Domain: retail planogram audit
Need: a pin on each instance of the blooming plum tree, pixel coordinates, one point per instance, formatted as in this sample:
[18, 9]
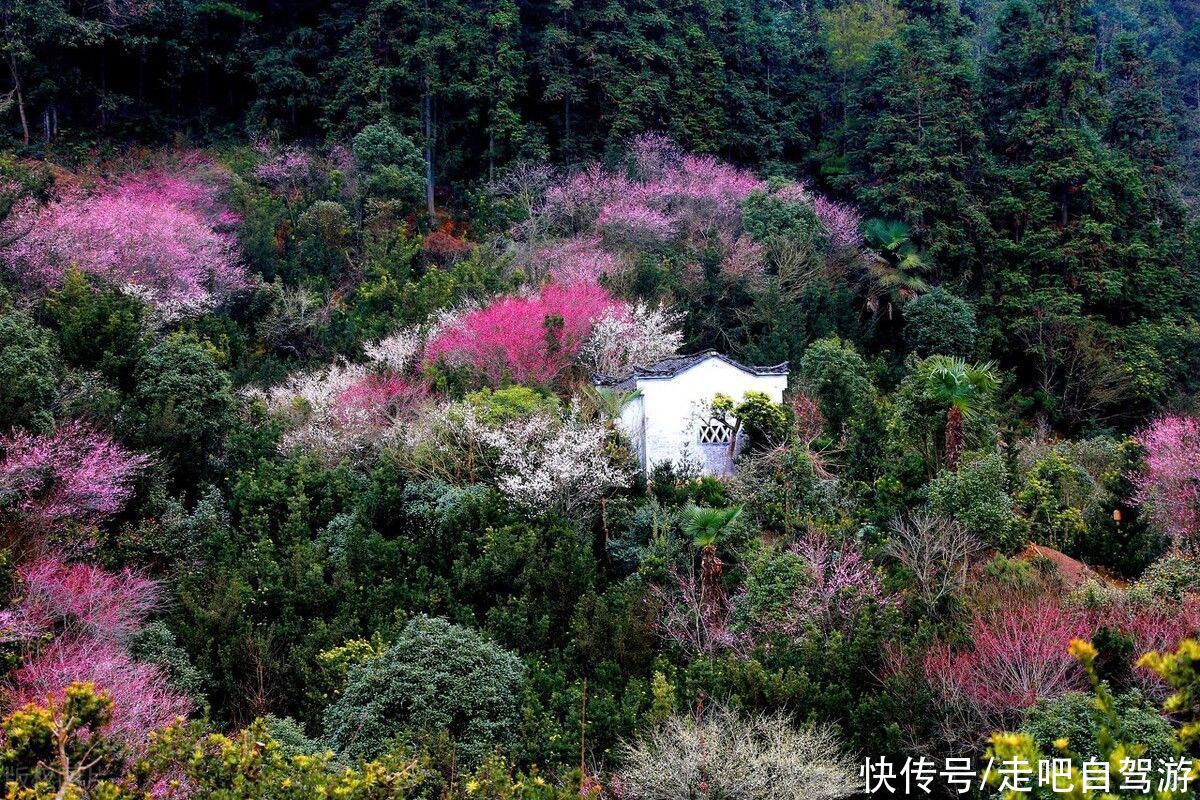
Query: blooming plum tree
[78, 601]
[75, 474]
[155, 234]
[1169, 487]
[529, 339]
[555, 463]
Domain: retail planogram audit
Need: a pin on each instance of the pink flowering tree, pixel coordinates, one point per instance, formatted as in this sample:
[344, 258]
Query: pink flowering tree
[89, 615]
[345, 410]
[1154, 627]
[1017, 656]
[581, 259]
[665, 197]
[839, 584]
[143, 700]
[528, 339]
[74, 475]
[79, 601]
[157, 235]
[698, 622]
[1169, 487]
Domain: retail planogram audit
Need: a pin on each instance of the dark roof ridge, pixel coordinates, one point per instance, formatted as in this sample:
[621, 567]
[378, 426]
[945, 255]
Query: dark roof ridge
[670, 367]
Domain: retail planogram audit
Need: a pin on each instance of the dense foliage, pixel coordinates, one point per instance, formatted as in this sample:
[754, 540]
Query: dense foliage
[307, 490]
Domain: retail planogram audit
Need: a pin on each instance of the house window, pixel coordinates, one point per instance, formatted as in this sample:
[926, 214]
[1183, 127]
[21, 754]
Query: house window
[714, 432]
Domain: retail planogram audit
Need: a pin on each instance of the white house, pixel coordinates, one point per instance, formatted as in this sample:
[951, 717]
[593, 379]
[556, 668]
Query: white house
[665, 418]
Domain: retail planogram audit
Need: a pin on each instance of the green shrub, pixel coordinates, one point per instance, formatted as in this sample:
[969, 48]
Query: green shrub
[29, 372]
[434, 677]
[939, 323]
[838, 379]
[976, 495]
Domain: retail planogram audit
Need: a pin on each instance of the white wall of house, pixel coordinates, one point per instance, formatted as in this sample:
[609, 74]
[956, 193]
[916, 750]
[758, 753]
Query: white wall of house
[665, 420]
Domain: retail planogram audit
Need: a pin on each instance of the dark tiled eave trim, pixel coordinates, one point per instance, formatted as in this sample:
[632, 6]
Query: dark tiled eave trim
[669, 368]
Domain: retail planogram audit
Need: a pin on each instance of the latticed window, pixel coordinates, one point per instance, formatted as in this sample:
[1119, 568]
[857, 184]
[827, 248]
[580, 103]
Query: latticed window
[715, 432]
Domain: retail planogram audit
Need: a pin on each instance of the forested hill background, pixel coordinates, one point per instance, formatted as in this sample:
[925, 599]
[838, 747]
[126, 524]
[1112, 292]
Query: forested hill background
[1042, 153]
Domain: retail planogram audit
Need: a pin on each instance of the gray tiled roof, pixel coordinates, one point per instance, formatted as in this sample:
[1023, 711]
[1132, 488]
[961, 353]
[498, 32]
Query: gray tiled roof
[670, 367]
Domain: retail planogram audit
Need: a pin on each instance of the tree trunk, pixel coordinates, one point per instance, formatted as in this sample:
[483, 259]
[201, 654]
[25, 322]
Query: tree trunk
[427, 114]
[12, 67]
[954, 437]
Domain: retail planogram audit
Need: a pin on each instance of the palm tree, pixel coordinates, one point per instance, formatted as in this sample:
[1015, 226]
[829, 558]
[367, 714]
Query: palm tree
[606, 404]
[963, 388]
[895, 269]
[707, 526]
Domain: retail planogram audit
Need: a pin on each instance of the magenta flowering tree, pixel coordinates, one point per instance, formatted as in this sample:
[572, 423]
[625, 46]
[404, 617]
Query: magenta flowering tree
[90, 615]
[155, 234]
[78, 601]
[529, 339]
[75, 474]
[143, 700]
[1169, 487]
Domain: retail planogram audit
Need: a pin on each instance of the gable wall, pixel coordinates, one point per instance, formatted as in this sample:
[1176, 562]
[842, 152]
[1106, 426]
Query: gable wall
[669, 407]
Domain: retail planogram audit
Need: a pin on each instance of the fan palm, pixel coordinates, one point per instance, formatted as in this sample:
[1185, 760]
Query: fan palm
[963, 389]
[895, 269]
[707, 526]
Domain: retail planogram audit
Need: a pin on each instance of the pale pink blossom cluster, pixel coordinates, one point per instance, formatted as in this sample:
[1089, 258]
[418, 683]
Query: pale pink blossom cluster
[842, 585]
[287, 168]
[529, 339]
[628, 224]
[580, 259]
[668, 198]
[695, 619]
[671, 194]
[842, 222]
[1169, 487]
[91, 615]
[344, 410]
[155, 233]
[75, 474]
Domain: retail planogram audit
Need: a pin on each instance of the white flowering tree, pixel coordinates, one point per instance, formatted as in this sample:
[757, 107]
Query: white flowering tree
[562, 463]
[633, 337]
[720, 753]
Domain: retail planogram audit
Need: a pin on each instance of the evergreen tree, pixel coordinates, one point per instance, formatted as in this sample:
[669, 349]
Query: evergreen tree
[920, 152]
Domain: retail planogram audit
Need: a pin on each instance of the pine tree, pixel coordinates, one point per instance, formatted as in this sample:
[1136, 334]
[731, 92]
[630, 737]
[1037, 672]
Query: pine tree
[920, 152]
